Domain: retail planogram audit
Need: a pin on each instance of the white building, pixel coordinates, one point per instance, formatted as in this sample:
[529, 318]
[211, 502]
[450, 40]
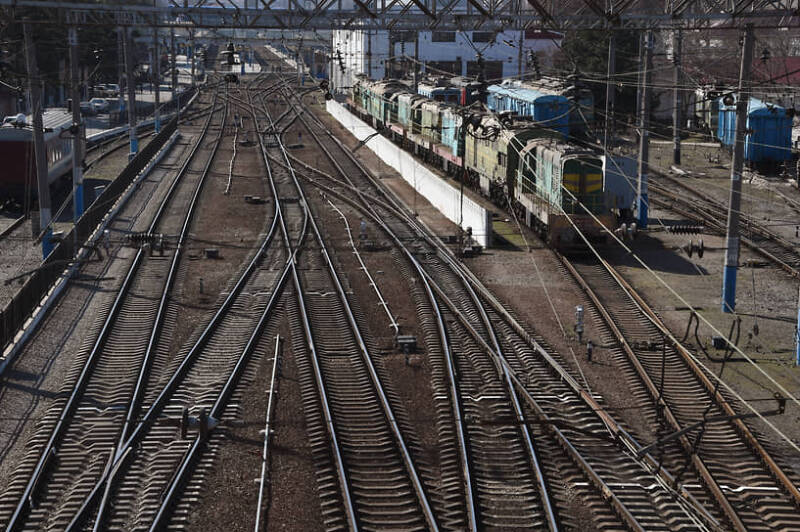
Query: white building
[363, 52]
[357, 52]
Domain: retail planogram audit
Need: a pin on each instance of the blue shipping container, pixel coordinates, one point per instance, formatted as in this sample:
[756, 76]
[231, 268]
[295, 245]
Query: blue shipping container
[771, 131]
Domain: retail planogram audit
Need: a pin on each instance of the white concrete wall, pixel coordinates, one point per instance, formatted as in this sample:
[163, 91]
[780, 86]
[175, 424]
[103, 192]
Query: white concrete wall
[442, 195]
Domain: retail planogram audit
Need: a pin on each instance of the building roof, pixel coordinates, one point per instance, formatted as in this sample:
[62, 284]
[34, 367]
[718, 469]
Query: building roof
[779, 70]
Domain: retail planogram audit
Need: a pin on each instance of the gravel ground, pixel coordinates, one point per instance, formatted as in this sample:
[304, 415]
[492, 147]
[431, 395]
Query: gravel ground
[293, 497]
[230, 492]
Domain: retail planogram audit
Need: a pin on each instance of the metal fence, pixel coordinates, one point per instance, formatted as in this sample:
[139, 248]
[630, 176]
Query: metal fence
[27, 299]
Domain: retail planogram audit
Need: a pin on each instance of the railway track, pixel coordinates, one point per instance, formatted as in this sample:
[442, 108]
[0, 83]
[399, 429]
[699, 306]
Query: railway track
[506, 491]
[12, 227]
[751, 489]
[706, 210]
[521, 443]
[379, 486]
[78, 436]
[200, 383]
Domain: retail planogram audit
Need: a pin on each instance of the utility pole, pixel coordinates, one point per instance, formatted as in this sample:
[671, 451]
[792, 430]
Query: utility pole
[732, 238]
[416, 61]
[369, 54]
[639, 76]
[191, 51]
[520, 66]
[611, 92]
[155, 68]
[175, 101]
[797, 334]
[134, 141]
[677, 100]
[34, 85]
[77, 136]
[644, 133]
[120, 68]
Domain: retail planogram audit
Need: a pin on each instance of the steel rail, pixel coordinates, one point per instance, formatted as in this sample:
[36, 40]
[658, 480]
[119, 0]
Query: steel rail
[700, 215]
[77, 391]
[366, 357]
[344, 487]
[12, 227]
[382, 302]
[267, 432]
[648, 463]
[453, 392]
[427, 511]
[457, 267]
[653, 391]
[150, 416]
[497, 354]
[190, 457]
[723, 403]
[173, 488]
[144, 370]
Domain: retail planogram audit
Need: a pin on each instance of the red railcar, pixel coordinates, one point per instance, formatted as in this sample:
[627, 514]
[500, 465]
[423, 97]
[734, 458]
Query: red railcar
[17, 160]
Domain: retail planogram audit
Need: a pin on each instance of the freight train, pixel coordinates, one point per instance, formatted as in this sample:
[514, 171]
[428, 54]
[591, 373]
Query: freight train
[526, 164]
[17, 154]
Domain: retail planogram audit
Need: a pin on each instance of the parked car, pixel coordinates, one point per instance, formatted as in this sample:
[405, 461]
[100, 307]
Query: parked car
[87, 109]
[100, 105]
[99, 89]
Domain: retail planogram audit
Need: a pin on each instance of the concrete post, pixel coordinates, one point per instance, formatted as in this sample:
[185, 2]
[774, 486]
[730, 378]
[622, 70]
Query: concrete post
[644, 134]
[797, 333]
[77, 138]
[39, 148]
[611, 92]
[416, 61]
[732, 238]
[134, 140]
[677, 100]
[174, 63]
[121, 67]
[369, 54]
[156, 79]
[191, 51]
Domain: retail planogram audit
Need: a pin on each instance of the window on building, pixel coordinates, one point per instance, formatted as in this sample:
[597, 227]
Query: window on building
[501, 159]
[438, 67]
[443, 36]
[482, 36]
[493, 69]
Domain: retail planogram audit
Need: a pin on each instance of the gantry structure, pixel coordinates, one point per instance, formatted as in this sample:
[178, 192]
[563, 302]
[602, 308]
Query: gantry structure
[420, 15]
